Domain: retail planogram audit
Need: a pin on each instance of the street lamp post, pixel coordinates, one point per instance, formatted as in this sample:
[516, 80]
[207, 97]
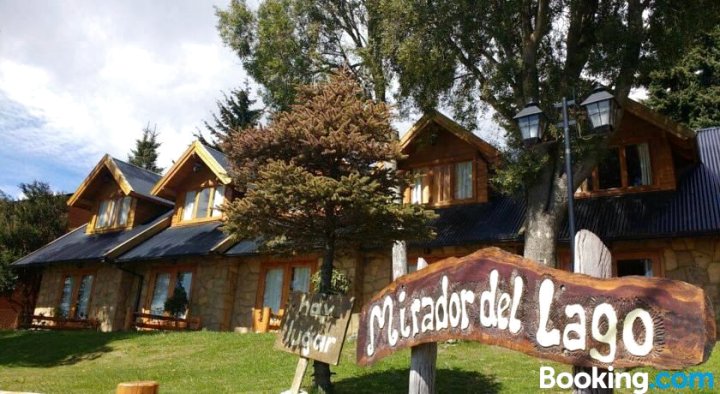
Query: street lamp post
[600, 106]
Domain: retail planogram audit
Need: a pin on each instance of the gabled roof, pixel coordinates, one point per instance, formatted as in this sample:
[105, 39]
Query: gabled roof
[178, 241]
[132, 180]
[215, 160]
[78, 246]
[692, 209]
[489, 152]
[679, 135]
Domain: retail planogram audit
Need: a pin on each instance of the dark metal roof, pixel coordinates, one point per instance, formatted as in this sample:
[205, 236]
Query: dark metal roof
[190, 240]
[692, 209]
[78, 246]
[243, 248]
[500, 219]
[140, 179]
[219, 157]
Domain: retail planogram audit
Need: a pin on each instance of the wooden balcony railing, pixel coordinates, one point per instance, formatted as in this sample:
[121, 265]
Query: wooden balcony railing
[264, 320]
[149, 321]
[59, 323]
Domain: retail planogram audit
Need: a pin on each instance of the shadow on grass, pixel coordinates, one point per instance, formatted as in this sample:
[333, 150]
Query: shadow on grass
[396, 381]
[52, 348]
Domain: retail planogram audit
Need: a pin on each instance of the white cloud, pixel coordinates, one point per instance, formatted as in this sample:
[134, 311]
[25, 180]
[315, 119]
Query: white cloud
[96, 73]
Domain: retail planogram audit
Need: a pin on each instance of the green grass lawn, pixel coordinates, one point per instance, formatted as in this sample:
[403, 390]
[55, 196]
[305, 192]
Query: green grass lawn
[211, 362]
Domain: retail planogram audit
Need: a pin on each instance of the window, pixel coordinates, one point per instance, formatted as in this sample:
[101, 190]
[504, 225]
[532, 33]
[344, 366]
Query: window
[640, 267]
[637, 159]
[625, 167]
[166, 284]
[279, 280]
[442, 184]
[609, 175]
[113, 213]
[203, 203]
[640, 263]
[75, 296]
[463, 180]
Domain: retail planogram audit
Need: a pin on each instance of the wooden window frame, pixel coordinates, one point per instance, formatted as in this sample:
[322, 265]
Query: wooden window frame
[195, 219]
[173, 271]
[287, 280]
[654, 256]
[624, 188]
[430, 168]
[114, 226]
[77, 276]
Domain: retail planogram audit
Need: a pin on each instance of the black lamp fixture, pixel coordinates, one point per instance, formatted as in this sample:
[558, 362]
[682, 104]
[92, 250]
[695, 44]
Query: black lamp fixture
[531, 121]
[601, 107]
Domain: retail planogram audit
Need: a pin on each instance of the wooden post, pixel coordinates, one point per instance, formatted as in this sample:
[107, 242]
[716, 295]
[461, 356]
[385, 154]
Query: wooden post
[399, 259]
[299, 373]
[422, 361]
[140, 387]
[592, 258]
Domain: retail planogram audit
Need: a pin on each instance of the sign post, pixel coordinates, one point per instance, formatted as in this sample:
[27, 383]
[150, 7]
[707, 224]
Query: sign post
[592, 258]
[314, 327]
[422, 361]
[502, 299]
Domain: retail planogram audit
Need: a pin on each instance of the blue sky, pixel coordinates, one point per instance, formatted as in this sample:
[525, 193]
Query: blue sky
[82, 78]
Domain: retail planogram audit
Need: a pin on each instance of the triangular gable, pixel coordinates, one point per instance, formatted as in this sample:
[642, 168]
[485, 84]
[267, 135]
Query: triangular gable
[680, 135]
[130, 184]
[489, 152]
[213, 159]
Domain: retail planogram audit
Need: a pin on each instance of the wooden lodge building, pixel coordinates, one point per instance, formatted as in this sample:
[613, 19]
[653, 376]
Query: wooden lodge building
[655, 201]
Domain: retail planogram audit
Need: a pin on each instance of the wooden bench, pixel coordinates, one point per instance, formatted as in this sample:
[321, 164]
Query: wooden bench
[149, 321]
[41, 322]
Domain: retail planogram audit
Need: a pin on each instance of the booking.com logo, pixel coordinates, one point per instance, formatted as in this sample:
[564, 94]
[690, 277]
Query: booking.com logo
[638, 381]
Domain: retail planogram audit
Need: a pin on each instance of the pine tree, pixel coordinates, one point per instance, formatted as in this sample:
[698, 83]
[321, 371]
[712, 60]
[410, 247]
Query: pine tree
[26, 225]
[145, 153]
[689, 92]
[233, 115]
[314, 180]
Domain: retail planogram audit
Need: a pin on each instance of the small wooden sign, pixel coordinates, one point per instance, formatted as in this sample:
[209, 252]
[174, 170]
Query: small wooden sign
[499, 298]
[314, 326]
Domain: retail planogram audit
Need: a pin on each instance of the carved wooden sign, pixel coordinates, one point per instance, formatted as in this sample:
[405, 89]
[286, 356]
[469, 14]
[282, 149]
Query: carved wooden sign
[314, 326]
[499, 298]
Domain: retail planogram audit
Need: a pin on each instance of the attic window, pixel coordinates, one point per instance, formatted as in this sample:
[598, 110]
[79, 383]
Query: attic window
[203, 203]
[113, 213]
[625, 167]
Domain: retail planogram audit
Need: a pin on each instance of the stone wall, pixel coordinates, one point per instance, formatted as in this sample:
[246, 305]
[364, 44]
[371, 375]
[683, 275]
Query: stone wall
[694, 260]
[111, 291]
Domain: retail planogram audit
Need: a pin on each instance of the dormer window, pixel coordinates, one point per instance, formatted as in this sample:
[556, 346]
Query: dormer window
[113, 213]
[625, 167]
[443, 184]
[204, 203]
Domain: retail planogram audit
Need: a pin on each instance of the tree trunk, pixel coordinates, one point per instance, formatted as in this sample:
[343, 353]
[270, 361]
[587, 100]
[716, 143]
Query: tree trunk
[544, 211]
[321, 370]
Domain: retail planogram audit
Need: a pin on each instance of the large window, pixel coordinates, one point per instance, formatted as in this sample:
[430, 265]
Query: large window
[203, 203]
[113, 213]
[278, 280]
[166, 284]
[75, 296]
[628, 166]
[443, 184]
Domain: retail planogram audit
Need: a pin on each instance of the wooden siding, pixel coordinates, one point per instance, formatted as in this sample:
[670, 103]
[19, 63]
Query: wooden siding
[433, 149]
[634, 130]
